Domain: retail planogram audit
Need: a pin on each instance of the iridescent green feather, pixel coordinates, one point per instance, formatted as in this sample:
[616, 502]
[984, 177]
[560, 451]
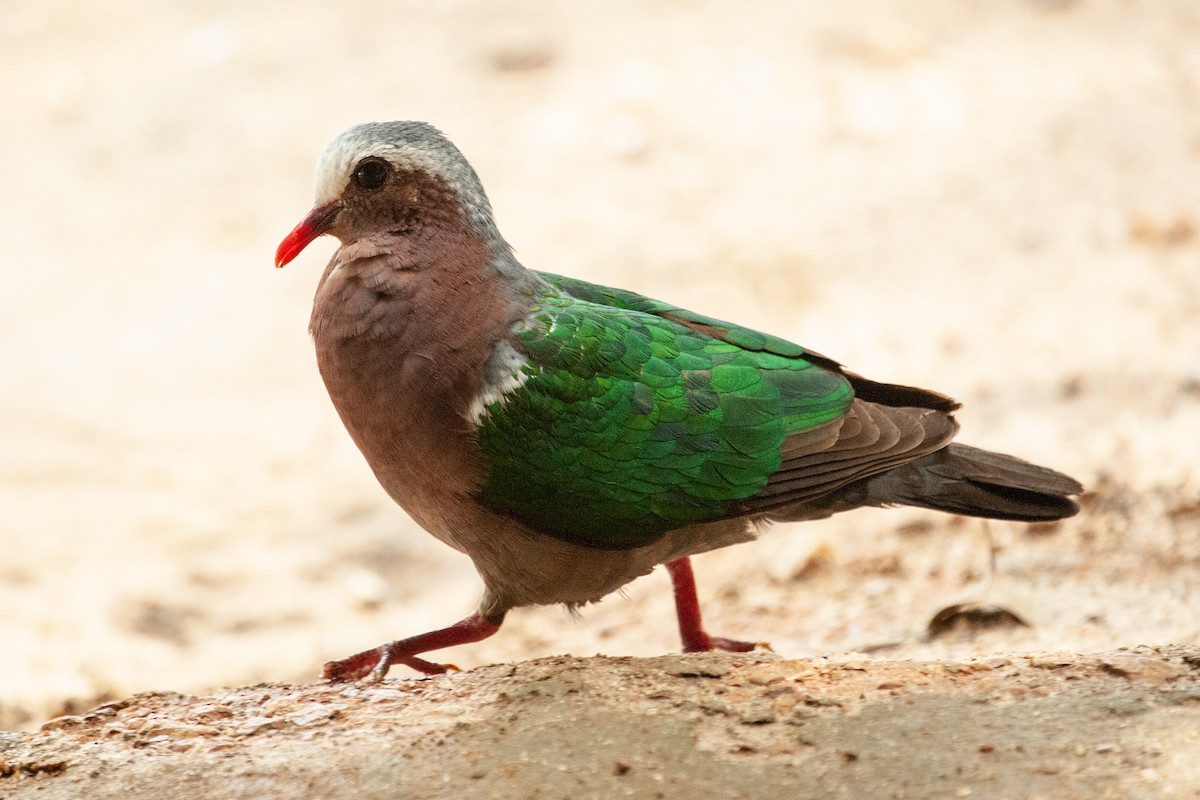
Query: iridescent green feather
[637, 417]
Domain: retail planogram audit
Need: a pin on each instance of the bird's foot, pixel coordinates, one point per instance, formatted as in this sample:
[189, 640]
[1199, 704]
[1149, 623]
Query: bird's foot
[357, 666]
[378, 660]
[704, 643]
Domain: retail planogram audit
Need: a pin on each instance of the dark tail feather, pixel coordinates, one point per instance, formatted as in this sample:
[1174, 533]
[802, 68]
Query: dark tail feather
[978, 483]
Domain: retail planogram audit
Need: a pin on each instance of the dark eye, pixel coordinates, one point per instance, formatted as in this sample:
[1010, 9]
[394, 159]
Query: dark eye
[371, 174]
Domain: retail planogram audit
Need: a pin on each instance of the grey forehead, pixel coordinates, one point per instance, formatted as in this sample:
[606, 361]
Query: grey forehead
[395, 134]
[408, 144]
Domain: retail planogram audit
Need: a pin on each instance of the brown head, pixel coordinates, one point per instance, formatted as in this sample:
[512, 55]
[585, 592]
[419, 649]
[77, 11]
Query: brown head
[404, 179]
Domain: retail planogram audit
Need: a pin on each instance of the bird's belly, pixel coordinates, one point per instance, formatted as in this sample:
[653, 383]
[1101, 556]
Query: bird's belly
[522, 567]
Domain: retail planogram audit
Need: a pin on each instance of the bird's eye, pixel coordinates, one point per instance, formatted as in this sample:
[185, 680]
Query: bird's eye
[371, 174]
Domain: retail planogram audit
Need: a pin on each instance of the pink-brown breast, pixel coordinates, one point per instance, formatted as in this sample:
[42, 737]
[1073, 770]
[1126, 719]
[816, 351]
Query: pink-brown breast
[401, 345]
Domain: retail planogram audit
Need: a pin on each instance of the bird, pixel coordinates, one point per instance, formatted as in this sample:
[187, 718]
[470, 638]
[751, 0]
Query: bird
[570, 437]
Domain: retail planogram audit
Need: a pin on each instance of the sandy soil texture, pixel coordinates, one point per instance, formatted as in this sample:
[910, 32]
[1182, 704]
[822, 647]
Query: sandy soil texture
[1000, 201]
[1125, 724]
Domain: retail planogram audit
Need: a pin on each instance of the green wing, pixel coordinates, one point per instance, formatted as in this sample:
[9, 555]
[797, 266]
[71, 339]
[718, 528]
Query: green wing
[636, 418]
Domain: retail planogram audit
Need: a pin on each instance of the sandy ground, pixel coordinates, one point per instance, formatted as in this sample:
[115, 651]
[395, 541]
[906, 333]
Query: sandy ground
[1000, 201]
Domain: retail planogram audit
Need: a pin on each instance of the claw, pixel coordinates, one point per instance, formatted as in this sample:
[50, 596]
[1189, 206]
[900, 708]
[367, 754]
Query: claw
[427, 667]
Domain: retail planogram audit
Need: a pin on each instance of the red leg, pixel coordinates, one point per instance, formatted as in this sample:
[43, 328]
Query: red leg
[687, 608]
[378, 660]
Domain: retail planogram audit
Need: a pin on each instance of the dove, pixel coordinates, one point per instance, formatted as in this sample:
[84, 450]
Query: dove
[570, 437]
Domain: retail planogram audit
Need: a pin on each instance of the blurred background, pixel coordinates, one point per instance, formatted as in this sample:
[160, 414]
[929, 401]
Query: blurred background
[997, 200]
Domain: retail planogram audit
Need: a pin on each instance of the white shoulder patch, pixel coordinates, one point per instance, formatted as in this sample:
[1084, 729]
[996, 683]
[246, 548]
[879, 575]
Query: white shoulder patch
[503, 374]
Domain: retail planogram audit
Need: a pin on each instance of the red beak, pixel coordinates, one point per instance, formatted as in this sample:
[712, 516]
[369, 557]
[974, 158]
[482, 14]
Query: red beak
[315, 223]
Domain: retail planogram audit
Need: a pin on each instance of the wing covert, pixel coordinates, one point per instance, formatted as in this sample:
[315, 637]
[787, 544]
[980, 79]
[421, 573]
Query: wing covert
[629, 423]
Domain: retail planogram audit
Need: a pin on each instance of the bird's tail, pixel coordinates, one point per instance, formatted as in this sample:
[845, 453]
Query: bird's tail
[978, 483]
